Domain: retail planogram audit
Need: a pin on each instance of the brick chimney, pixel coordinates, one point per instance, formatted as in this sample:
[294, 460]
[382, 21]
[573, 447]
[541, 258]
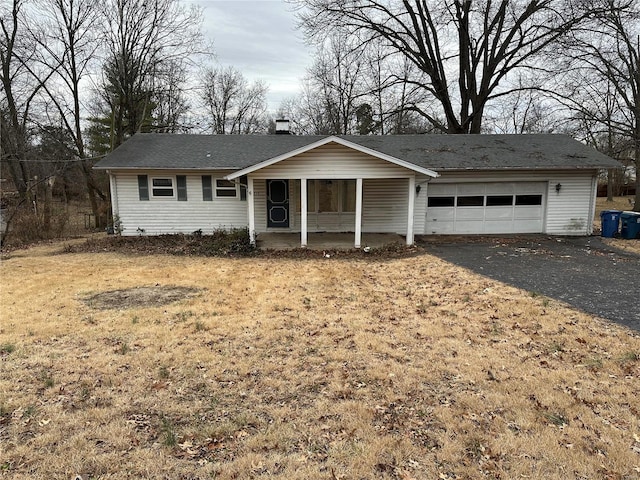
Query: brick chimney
[282, 127]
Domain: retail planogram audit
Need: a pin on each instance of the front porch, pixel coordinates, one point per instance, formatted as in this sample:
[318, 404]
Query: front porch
[325, 240]
[332, 185]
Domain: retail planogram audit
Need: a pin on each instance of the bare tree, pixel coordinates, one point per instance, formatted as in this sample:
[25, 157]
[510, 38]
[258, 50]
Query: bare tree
[336, 80]
[20, 90]
[525, 111]
[171, 104]
[234, 106]
[604, 80]
[476, 43]
[145, 41]
[334, 89]
[67, 48]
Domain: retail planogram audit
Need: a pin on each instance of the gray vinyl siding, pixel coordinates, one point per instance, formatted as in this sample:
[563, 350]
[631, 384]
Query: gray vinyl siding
[420, 205]
[158, 216]
[569, 212]
[332, 161]
[384, 205]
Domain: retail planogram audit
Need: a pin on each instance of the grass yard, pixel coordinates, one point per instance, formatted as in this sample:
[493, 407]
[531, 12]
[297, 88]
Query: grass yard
[309, 368]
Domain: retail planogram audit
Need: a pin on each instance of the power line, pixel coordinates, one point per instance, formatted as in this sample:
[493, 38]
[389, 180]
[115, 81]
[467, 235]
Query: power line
[39, 160]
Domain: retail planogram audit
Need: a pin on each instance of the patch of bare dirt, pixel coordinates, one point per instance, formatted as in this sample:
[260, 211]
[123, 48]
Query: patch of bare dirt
[140, 297]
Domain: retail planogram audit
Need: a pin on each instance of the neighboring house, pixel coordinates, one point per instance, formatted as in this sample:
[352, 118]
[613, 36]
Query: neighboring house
[405, 184]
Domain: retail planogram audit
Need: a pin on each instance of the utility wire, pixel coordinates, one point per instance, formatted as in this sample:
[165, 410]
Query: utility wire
[38, 160]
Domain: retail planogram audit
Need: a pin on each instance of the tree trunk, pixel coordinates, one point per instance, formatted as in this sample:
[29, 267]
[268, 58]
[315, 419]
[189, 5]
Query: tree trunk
[636, 207]
[610, 180]
[47, 211]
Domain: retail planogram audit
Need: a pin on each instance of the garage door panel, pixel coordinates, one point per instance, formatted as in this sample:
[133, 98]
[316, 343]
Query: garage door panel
[509, 207]
[469, 214]
[527, 226]
[442, 189]
[436, 226]
[471, 189]
[498, 213]
[531, 188]
[472, 226]
[500, 189]
[498, 226]
[527, 213]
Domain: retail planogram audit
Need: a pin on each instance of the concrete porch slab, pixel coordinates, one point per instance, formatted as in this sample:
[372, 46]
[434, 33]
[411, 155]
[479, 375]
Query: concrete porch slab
[325, 240]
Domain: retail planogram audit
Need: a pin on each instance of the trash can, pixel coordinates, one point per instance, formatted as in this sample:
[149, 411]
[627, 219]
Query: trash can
[630, 225]
[610, 220]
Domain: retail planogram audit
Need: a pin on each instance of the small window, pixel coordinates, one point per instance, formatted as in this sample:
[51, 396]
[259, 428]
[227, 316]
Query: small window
[207, 190]
[243, 188]
[143, 187]
[499, 200]
[528, 200]
[162, 187]
[181, 185]
[225, 188]
[471, 201]
[441, 201]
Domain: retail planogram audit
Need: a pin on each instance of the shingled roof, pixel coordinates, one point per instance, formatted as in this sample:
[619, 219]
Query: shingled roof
[435, 152]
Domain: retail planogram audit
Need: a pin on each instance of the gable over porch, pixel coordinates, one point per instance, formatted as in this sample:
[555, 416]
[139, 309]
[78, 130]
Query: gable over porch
[332, 185]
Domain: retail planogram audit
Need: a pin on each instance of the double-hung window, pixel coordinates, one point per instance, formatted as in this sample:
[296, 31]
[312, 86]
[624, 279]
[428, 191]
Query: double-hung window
[162, 187]
[226, 189]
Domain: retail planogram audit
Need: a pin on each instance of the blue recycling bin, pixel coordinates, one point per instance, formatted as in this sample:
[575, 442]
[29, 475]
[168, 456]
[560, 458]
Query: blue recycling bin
[610, 220]
[630, 225]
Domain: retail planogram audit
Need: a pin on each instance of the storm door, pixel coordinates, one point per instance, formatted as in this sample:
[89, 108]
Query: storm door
[278, 203]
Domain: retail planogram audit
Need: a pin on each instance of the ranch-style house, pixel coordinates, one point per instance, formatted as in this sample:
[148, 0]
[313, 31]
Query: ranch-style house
[405, 184]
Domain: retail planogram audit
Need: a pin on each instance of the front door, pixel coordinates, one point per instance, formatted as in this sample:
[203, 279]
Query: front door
[278, 203]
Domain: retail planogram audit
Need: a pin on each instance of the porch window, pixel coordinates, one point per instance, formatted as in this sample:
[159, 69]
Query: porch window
[328, 196]
[348, 195]
[328, 193]
[311, 196]
[225, 188]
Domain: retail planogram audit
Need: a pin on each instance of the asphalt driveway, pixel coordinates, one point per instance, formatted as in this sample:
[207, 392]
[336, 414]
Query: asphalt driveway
[583, 272]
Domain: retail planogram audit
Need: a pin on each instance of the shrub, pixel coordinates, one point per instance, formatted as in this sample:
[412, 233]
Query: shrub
[28, 227]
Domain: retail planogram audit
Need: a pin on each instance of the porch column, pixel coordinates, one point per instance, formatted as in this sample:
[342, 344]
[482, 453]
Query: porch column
[303, 212]
[358, 239]
[411, 207]
[252, 210]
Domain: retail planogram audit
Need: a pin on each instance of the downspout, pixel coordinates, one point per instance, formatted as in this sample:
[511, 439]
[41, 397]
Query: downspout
[115, 215]
[592, 206]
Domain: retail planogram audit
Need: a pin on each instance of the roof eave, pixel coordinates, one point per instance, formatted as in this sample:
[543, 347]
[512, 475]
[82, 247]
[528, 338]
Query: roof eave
[198, 169]
[525, 168]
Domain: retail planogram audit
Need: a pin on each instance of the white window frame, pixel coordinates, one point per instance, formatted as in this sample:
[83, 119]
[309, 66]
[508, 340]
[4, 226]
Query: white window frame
[173, 187]
[235, 188]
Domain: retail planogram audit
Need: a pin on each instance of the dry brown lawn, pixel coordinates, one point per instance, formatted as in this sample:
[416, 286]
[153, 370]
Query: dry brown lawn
[315, 368]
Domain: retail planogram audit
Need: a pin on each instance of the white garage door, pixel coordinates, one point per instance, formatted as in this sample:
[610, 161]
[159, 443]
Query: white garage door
[516, 207]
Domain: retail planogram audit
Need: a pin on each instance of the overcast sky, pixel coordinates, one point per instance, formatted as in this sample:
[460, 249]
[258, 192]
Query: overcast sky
[259, 38]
